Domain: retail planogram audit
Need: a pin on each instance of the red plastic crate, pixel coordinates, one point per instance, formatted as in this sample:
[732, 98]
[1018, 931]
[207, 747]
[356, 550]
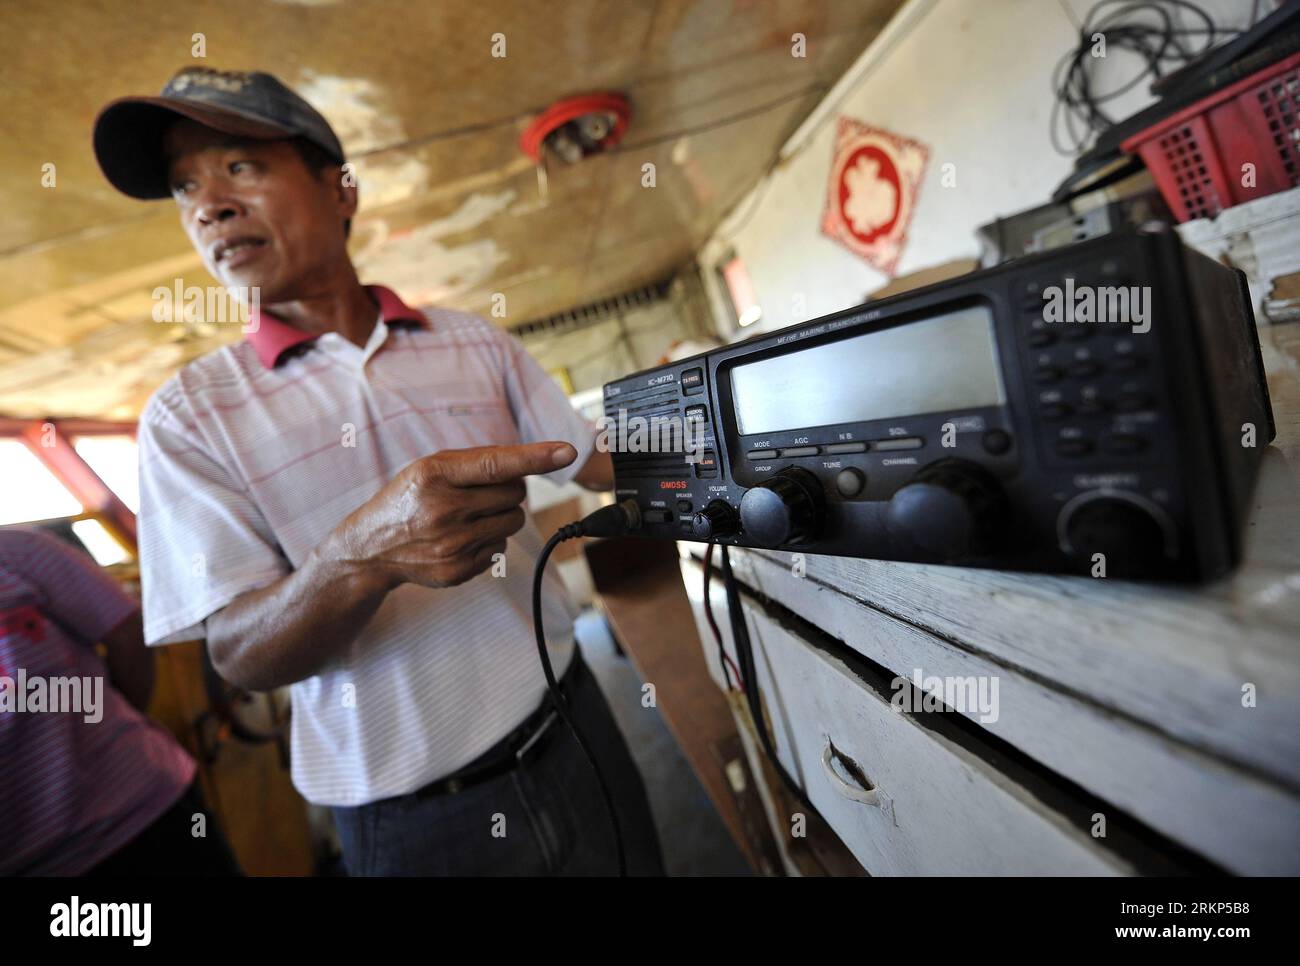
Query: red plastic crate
[1196, 156]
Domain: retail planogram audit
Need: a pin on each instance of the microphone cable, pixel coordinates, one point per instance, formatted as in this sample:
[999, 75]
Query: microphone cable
[749, 677]
[609, 521]
[724, 659]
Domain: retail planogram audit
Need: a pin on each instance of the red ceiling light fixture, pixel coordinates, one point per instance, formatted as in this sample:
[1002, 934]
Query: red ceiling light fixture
[577, 127]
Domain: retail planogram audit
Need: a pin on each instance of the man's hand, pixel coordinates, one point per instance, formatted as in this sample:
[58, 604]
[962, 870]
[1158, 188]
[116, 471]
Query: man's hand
[437, 523]
[442, 519]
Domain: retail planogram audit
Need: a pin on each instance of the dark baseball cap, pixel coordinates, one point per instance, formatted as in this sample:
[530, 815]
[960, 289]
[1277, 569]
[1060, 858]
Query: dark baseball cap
[252, 104]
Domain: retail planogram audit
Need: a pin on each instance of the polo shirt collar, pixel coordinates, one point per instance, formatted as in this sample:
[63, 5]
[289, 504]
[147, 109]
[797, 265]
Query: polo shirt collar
[271, 337]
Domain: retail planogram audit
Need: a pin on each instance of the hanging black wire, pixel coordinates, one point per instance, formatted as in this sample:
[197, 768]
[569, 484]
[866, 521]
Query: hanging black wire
[1150, 29]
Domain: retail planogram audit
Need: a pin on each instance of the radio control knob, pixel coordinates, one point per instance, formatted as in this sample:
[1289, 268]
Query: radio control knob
[950, 510]
[717, 519]
[787, 508]
[1134, 537]
[850, 482]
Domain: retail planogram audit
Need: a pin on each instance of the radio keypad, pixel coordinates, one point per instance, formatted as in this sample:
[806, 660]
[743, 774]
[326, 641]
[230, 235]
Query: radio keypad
[1090, 406]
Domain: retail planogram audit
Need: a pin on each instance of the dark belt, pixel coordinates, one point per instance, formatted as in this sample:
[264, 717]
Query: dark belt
[534, 734]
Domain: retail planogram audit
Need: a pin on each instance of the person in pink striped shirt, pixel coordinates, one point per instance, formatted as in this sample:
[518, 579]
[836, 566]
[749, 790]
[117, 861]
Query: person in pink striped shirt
[88, 784]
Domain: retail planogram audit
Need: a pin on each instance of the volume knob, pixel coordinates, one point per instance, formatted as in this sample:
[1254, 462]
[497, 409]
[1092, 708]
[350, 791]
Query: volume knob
[717, 519]
[787, 508]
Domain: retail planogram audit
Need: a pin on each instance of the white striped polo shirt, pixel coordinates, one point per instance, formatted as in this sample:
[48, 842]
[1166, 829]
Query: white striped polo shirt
[250, 455]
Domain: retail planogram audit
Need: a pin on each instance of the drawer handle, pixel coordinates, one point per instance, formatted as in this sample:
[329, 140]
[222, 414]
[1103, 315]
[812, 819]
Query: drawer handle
[867, 796]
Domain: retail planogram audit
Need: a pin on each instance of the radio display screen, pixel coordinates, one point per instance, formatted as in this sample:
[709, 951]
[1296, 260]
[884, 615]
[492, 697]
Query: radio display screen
[946, 362]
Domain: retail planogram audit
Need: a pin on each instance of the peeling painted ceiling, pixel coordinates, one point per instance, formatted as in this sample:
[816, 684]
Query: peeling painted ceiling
[450, 209]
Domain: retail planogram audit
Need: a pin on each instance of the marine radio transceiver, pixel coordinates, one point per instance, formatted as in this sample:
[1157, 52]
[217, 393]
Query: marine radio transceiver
[1097, 405]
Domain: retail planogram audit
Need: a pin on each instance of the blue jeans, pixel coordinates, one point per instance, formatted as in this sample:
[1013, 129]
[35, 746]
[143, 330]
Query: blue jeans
[545, 817]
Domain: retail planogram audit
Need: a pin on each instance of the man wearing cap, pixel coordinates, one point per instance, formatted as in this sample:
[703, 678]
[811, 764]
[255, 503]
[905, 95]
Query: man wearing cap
[334, 505]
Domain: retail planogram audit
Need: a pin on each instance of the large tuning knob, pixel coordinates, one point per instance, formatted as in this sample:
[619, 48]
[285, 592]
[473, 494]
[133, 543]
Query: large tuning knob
[949, 511]
[787, 508]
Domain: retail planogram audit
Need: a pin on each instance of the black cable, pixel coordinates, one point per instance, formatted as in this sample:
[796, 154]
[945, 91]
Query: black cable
[608, 521]
[723, 659]
[1159, 45]
[749, 674]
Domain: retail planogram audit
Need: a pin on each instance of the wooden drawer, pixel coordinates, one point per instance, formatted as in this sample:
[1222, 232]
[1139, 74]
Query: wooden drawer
[933, 808]
[1060, 703]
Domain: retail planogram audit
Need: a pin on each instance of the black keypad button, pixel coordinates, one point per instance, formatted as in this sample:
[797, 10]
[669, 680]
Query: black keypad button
[1040, 338]
[1123, 443]
[1127, 363]
[692, 381]
[1129, 402]
[1077, 331]
[997, 441]
[656, 516]
[1046, 375]
[1091, 407]
[1085, 368]
[707, 465]
[1073, 447]
[1031, 296]
[684, 506]
[1054, 411]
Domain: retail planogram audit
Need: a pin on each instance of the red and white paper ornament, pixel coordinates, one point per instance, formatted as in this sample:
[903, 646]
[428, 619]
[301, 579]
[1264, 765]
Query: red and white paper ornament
[871, 194]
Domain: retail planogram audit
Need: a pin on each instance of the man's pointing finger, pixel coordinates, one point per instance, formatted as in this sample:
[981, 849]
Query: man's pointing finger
[484, 465]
